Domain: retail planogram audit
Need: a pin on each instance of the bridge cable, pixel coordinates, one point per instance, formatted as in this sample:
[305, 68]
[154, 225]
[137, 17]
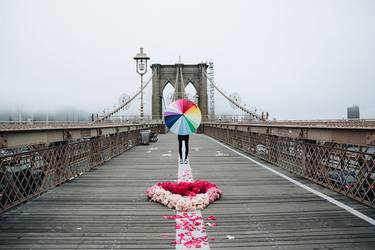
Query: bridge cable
[115, 110]
[251, 113]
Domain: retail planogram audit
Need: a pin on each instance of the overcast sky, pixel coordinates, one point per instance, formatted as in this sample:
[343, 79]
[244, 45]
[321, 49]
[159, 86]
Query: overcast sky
[296, 59]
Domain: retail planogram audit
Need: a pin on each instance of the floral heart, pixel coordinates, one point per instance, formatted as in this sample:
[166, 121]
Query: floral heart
[184, 196]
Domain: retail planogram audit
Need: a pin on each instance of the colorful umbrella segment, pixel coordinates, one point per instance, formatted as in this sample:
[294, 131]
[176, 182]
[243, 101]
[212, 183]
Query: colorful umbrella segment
[182, 117]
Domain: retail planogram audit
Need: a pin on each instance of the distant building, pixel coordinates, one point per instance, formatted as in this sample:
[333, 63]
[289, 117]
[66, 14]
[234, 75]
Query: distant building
[353, 112]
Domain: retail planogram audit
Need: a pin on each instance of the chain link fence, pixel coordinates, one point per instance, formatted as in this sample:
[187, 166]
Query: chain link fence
[30, 171]
[346, 169]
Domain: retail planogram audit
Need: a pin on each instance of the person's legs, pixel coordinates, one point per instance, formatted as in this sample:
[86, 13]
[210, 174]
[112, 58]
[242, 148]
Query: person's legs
[186, 148]
[180, 148]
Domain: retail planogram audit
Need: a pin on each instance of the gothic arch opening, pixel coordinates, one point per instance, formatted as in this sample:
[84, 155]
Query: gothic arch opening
[167, 95]
[190, 92]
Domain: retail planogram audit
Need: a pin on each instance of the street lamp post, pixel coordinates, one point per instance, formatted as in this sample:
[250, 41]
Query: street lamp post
[141, 64]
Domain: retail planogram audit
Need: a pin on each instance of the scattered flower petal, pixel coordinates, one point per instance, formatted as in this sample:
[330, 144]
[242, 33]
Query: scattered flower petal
[191, 229]
[230, 237]
[164, 236]
[211, 217]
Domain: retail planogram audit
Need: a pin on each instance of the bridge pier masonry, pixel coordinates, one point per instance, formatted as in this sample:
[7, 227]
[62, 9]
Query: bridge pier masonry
[179, 76]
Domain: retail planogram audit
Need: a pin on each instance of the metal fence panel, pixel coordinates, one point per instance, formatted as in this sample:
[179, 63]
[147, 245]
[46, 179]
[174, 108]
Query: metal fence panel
[346, 169]
[28, 174]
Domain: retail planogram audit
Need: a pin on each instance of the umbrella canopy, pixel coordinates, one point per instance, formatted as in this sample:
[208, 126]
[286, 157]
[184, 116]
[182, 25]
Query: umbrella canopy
[182, 117]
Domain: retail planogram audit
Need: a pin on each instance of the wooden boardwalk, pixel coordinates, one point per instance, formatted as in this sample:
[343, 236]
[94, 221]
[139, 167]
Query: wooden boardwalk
[107, 209]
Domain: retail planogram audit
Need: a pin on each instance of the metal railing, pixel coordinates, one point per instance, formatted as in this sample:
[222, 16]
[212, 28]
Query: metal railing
[24, 175]
[346, 169]
[240, 119]
[338, 123]
[119, 120]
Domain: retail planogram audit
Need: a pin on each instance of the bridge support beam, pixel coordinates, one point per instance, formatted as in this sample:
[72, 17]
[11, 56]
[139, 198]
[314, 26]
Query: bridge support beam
[30, 136]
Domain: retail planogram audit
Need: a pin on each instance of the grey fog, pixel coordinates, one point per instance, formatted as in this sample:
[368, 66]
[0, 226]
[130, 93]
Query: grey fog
[296, 59]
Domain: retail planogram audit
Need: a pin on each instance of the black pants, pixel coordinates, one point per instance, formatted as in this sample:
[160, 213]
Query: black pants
[184, 138]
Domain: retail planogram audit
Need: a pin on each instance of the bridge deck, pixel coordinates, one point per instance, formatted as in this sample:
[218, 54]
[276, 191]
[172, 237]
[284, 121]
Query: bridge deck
[107, 208]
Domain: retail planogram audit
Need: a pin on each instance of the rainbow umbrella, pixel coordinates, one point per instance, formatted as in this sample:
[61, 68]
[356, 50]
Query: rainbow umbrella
[182, 117]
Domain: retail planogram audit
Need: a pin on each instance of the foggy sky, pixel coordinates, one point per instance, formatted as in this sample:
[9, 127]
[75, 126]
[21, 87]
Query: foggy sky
[296, 59]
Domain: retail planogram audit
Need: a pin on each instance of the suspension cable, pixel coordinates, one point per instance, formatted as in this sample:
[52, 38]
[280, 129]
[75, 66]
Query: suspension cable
[115, 110]
[251, 113]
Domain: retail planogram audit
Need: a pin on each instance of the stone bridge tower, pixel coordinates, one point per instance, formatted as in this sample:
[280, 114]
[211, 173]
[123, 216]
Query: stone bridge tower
[179, 75]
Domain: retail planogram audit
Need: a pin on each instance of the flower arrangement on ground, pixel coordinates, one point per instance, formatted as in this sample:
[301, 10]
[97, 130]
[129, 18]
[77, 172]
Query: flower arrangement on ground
[184, 196]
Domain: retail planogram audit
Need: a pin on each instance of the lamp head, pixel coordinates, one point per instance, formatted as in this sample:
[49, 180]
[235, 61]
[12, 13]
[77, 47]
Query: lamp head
[141, 62]
[141, 55]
